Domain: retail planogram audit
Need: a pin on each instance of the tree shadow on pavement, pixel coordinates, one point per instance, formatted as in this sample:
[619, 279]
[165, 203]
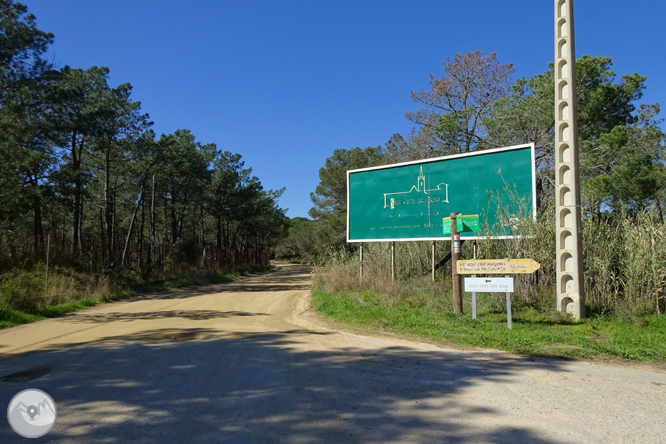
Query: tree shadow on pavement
[193, 315]
[277, 387]
[286, 278]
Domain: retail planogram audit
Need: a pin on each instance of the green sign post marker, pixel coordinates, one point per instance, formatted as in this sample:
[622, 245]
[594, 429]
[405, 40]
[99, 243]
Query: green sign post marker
[464, 224]
[446, 225]
[408, 201]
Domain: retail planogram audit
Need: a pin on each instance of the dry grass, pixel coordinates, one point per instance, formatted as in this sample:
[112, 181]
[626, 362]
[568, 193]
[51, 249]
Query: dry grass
[624, 259]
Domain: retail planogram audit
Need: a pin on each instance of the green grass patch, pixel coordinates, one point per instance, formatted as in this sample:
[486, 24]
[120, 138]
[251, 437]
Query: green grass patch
[10, 317]
[534, 333]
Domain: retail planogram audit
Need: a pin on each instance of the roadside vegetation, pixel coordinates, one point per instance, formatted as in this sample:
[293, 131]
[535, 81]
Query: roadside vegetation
[26, 296]
[425, 314]
[477, 105]
[91, 193]
[625, 298]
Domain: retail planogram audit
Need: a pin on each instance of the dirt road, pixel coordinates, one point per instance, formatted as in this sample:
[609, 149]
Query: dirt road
[247, 363]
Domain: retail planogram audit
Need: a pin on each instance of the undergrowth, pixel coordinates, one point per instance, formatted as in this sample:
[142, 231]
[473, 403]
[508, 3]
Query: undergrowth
[27, 296]
[624, 258]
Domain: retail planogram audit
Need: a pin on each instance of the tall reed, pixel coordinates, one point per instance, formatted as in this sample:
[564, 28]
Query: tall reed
[624, 257]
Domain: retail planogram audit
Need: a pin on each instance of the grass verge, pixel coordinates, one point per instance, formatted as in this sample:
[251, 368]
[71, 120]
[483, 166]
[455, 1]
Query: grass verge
[533, 333]
[31, 309]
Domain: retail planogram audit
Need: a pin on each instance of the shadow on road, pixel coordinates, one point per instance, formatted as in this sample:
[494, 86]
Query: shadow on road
[193, 315]
[265, 387]
[285, 278]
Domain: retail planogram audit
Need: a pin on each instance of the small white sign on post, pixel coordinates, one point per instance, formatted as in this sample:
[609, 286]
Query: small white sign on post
[493, 285]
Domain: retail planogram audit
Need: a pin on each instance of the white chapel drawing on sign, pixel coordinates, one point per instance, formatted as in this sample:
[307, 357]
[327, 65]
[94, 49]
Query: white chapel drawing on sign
[438, 194]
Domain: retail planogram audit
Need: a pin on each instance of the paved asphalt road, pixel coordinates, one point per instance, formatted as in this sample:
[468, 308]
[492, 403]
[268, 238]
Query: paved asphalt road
[246, 362]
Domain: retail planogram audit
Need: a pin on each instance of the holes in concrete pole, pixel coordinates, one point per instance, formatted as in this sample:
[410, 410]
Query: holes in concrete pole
[566, 218]
[564, 132]
[565, 175]
[566, 240]
[567, 305]
[567, 284]
[562, 7]
[562, 49]
[566, 197]
[564, 152]
[566, 263]
[564, 90]
[563, 69]
[564, 111]
[562, 28]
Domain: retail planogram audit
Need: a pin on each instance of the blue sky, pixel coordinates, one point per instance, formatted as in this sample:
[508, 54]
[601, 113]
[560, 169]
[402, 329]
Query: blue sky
[284, 83]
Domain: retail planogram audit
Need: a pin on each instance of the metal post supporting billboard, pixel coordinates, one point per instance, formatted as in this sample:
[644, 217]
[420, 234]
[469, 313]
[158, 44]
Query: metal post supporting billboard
[432, 260]
[392, 261]
[360, 275]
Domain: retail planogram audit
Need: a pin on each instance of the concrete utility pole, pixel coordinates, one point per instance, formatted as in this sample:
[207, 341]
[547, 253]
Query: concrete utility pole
[570, 283]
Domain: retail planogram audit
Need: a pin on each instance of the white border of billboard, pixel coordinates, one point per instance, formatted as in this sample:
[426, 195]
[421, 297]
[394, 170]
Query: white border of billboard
[437, 159]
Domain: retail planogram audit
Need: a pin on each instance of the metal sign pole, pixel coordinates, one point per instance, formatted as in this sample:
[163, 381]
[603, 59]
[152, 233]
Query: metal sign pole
[455, 252]
[508, 307]
[361, 268]
[432, 260]
[474, 292]
[392, 261]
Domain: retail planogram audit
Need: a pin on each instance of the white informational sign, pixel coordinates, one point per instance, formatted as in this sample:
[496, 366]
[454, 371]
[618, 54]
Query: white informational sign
[495, 285]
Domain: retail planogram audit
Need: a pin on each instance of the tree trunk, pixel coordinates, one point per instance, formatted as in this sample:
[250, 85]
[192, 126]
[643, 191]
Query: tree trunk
[108, 208]
[151, 257]
[38, 232]
[141, 232]
[77, 151]
[131, 225]
[101, 234]
[76, 222]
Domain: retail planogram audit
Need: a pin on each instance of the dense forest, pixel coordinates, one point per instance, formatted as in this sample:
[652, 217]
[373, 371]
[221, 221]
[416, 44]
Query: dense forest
[86, 182]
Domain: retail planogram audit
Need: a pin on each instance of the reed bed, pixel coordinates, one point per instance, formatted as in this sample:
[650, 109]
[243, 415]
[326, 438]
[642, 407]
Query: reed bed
[624, 259]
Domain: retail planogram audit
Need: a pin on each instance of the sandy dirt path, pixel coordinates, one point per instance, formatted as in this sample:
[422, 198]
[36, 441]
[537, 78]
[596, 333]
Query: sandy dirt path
[247, 362]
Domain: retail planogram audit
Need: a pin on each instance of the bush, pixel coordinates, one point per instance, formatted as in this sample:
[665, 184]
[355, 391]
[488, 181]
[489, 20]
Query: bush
[23, 291]
[624, 259]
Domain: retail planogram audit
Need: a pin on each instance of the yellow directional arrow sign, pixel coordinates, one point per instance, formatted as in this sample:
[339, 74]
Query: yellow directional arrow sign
[498, 266]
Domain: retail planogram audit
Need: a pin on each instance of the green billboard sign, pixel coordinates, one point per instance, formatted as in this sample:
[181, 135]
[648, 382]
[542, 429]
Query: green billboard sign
[409, 201]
